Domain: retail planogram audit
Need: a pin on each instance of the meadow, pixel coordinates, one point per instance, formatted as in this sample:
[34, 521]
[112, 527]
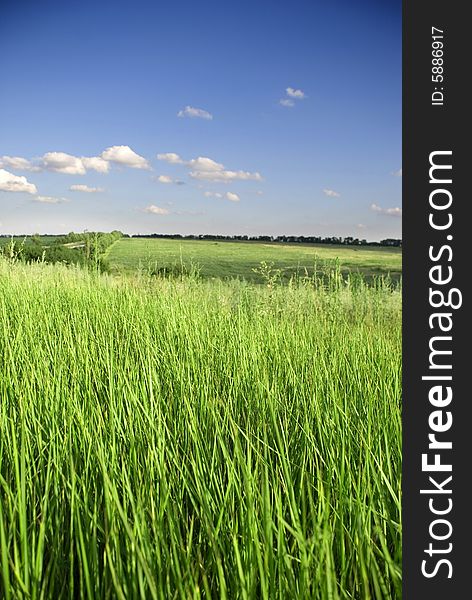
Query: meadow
[190, 436]
[224, 259]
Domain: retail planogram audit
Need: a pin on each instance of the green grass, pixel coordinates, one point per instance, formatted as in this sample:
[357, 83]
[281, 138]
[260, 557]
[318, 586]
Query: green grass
[185, 438]
[237, 259]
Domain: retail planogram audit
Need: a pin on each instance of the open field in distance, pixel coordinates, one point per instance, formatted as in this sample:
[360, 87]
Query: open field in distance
[238, 259]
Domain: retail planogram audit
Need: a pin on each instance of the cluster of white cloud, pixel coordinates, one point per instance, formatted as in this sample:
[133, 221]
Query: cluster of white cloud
[81, 187]
[200, 168]
[156, 210]
[202, 163]
[231, 196]
[15, 183]
[398, 173]
[159, 210]
[61, 162]
[166, 179]
[391, 212]
[225, 176]
[331, 193]
[292, 94]
[206, 169]
[170, 157]
[68, 164]
[195, 113]
[17, 163]
[124, 156]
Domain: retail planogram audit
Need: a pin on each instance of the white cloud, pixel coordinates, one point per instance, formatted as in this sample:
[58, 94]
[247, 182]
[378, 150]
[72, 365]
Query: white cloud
[207, 169]
[49, 199]
[286, 102]
[225, 176]
[123, 155]
[228, 195]
[61, 162]
[171, 158]
[232, 197]
[156, 210]
[331, 193]
[165, 179]
[96, 163]
[79, 187]
[391, 212]
[18, 163]
[199, 113]
[203, 163]
[293, 93]
[15, 183]
[398, 173]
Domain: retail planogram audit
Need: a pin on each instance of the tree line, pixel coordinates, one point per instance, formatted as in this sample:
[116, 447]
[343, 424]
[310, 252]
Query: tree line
[95, 243]
[292, 239]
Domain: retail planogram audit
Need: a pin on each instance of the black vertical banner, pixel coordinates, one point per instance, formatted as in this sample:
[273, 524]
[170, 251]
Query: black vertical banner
[437, 435]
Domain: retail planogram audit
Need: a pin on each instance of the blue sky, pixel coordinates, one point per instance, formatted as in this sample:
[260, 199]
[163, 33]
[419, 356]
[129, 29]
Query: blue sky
[268, 117]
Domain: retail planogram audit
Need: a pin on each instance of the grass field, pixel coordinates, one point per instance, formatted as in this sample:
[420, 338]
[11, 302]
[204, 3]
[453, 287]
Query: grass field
[238, 259]
[189, 438]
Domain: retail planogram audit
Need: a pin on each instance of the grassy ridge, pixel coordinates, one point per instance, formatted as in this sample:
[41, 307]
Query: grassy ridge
[238, 259]
[184, 439]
